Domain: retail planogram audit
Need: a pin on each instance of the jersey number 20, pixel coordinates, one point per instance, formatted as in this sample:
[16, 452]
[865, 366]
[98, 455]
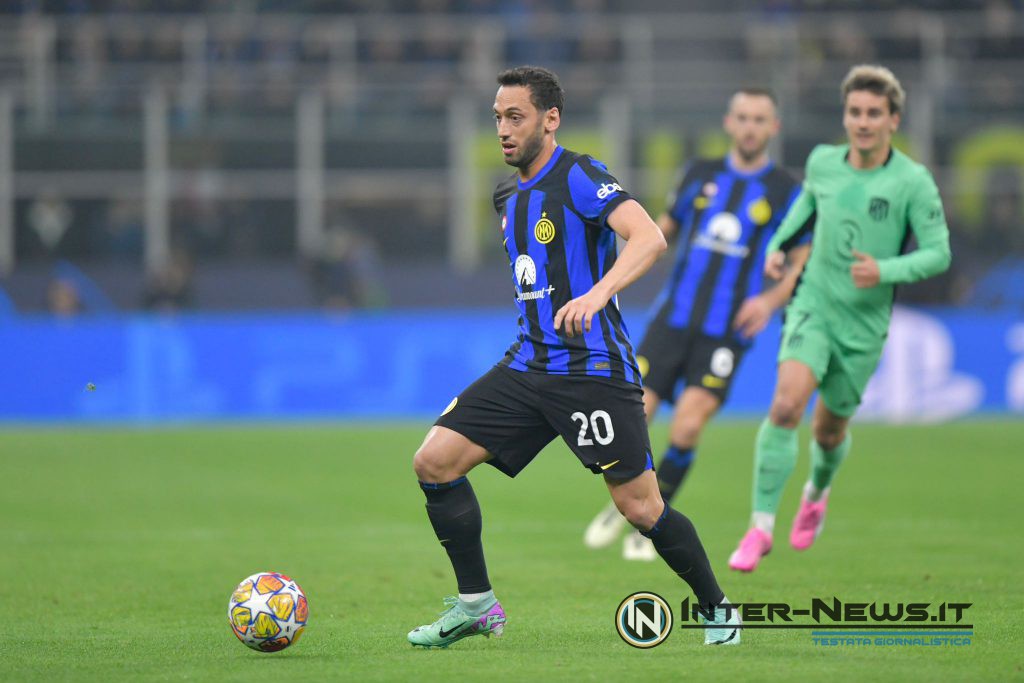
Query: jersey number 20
[601, 424]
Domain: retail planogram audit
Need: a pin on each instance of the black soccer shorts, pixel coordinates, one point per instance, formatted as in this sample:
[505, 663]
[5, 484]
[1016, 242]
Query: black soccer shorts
[668, 354]
[514, 415]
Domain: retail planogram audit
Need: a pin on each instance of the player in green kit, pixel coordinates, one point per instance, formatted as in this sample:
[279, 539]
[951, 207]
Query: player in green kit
[869, 199]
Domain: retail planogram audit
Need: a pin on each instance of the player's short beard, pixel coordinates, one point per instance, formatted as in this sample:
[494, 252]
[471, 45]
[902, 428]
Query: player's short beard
[529, 150]
[751, 155]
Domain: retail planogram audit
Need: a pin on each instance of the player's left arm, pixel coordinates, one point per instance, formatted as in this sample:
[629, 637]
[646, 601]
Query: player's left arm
[644, 243]
[932, 256]
[679, 203]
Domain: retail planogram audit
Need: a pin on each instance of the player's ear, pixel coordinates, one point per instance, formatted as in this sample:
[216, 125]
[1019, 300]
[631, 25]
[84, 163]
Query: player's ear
[895, 122]
[552, 120]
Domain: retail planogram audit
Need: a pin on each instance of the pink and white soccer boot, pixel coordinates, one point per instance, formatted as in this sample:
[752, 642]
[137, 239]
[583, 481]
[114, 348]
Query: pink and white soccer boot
[755, 545]
[809, 521]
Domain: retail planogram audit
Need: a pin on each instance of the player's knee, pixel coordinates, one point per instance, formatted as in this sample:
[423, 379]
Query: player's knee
[642, 513]
[829, 436]
[785, 411]
[685, 431]
[430, 465]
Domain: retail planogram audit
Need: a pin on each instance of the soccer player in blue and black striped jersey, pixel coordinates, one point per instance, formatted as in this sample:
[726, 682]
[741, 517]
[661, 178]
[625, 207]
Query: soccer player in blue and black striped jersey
[571, 371]
[714, 302]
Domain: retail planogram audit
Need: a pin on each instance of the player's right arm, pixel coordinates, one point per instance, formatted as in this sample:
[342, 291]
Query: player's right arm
[797, 216]
[800, 212]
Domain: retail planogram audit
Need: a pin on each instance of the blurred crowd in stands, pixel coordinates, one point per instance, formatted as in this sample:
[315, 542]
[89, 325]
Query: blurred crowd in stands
[392, 74]
[508, 7]
[245, 61]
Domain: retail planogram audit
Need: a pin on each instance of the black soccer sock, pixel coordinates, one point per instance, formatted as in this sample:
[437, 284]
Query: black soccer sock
[455, 515]
[672, 470]
[677, 542]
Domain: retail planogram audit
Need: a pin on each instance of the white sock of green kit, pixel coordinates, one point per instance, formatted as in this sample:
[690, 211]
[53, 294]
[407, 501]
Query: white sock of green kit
[765, 521]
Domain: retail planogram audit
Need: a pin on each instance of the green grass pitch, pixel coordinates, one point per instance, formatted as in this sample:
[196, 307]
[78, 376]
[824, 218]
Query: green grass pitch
[120, 548]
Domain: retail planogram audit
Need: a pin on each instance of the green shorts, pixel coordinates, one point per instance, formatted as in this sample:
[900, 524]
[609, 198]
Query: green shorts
[842, 372]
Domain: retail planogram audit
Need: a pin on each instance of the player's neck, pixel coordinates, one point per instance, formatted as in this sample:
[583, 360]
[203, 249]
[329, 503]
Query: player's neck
[865, 161]
[531, 171]
[740, 164]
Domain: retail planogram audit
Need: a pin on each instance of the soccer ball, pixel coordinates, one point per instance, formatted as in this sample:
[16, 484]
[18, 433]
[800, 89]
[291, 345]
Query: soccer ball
[268, 611]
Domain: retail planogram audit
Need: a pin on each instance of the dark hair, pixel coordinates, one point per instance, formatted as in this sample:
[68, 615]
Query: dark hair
[759, 91]
[545, 90]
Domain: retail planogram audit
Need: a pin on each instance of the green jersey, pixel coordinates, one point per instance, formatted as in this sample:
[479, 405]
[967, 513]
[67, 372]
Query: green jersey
[872, 211]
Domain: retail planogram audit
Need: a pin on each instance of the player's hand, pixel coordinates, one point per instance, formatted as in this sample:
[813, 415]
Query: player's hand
[753, 316]
[578, 315]
[774, 265]
[865, 271]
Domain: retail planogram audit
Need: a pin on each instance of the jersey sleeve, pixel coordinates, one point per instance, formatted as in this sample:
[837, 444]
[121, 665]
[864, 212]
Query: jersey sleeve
[680, 198]
[799, 220]
[595, 192]
[928, 222]
[797, 224]
[805, 232]
[505, 189]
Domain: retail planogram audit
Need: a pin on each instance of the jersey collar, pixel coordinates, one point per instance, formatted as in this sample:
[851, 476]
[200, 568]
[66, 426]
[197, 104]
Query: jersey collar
[748, 174]
[846, 160]
[543, 172]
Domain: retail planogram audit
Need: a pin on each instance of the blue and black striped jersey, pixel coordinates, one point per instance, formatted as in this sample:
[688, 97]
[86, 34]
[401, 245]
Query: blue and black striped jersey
[559, 245]
[725, 218]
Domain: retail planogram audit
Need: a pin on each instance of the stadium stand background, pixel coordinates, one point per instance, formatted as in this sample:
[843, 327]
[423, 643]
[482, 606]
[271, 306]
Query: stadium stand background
[280, 210]
[645, 82]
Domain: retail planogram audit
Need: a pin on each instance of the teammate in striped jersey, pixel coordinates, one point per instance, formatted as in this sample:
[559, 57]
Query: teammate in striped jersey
[571, 371]
[714, 302]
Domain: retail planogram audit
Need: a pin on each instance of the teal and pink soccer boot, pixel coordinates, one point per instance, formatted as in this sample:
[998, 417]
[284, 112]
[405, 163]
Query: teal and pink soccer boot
[455, 624]
[724, 628]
